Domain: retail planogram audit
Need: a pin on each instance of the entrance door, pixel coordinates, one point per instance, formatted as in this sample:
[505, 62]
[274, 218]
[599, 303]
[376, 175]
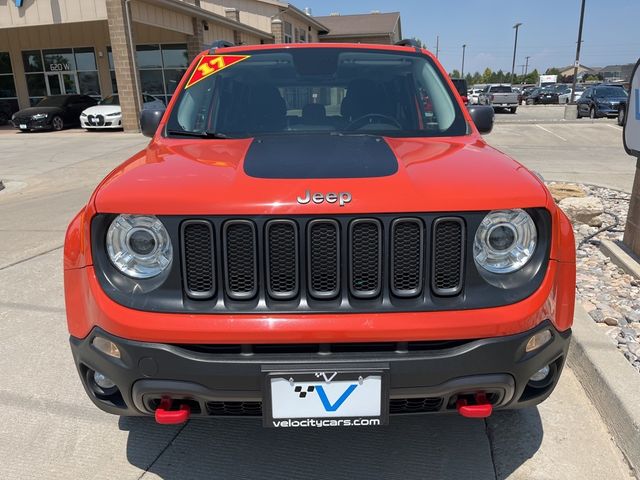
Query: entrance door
[59, 83]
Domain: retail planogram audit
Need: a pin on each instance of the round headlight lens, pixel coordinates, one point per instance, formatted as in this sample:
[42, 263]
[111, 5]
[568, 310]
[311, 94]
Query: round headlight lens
[139, 246]
[505, 241]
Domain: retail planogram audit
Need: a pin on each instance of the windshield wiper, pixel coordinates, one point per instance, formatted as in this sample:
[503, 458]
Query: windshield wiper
[186, 133]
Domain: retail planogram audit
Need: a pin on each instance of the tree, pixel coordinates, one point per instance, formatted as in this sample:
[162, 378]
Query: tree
[455, 74]
[486, 76]
[552, 71]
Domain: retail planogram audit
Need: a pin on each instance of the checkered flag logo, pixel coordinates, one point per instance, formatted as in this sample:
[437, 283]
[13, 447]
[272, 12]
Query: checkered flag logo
[303, 393]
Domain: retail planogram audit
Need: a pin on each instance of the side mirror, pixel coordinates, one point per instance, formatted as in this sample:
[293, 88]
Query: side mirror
[482, 116]
[149, 121]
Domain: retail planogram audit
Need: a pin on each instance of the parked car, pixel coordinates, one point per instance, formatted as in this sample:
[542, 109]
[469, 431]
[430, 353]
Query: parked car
[527, 92]
[543, 96]
[323, 265]
[499, 97]
[107, 114]
[601, 101]
[52, 113]
[473, 94]
[461, 87]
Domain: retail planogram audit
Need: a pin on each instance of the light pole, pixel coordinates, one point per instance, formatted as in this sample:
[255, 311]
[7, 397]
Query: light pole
[437, 45]
[515, 47]
[464, 47]
[575, 66]
[526, 66]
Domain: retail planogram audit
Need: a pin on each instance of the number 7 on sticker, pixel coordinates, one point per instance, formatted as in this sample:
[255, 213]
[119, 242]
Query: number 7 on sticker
[210, 64]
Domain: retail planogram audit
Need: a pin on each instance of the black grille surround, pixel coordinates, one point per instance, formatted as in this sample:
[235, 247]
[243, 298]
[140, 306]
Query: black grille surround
[255, 287]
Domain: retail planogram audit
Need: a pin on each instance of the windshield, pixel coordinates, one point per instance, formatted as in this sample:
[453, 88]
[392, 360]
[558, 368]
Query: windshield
[57, 101]
[611, 92]
[319, 90]
[110, 100]
[501, 89]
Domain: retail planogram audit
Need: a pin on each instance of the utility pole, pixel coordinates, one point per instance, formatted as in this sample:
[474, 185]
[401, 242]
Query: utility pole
[526, 66]
[515, 47]
[522, 65]
[464, 47]
[577, 64]
[437, 45]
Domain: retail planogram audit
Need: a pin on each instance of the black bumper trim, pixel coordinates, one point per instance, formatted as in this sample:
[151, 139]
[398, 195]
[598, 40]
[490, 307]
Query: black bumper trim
[498, 365]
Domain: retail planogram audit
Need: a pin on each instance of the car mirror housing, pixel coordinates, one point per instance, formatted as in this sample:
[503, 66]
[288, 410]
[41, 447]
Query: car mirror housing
[482, 116]
[149, 121]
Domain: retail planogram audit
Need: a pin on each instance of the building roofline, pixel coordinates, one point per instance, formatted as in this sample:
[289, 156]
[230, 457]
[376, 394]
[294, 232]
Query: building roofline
[188, 9]
[290, 8]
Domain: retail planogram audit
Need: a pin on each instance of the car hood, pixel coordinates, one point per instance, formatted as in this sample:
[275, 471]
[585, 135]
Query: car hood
[102, 110]
[611, 99]
[199, 177]
[25, 112]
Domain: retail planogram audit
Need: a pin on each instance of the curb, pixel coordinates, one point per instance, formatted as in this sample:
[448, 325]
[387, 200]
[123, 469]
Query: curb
[610, 382]
[620, 257]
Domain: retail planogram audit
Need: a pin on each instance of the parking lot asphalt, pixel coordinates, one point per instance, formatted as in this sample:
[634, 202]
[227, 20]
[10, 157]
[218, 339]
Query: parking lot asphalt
[585, 150]
[52, 431]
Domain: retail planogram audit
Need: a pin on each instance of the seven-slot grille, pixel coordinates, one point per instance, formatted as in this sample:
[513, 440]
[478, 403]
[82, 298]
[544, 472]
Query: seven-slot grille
[323, 259]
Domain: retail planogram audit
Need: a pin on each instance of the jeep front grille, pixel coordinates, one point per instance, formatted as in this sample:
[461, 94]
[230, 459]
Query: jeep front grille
[318, 264]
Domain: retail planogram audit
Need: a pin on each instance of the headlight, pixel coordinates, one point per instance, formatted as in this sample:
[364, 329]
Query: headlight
[83, 114]
[139, 246]
[39, 116]
[114, 114]
[505, 241]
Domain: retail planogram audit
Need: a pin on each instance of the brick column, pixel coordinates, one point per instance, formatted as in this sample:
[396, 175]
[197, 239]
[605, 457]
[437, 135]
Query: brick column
[195, 42]
[124, 64]
[276, 30]
[632, 230]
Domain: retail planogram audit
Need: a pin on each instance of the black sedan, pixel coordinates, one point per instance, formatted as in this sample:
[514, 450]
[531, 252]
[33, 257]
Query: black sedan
[543, 96]
[601, 101]
[52, 113]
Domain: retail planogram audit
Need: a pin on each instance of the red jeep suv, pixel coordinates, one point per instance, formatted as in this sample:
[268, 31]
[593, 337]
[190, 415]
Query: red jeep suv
[317, 234]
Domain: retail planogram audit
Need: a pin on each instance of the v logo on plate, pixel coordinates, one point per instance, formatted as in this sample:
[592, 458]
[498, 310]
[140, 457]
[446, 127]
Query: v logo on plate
[335, 406]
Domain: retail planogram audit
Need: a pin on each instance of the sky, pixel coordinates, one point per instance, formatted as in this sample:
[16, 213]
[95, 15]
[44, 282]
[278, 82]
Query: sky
[548, 35]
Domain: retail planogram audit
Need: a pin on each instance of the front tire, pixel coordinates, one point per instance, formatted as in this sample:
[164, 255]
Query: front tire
[57, 123]
[592, 113]
[512, 110]
[621, 114]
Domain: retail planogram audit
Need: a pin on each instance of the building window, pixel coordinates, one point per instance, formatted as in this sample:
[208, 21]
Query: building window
[287, 32]
[112, 71]
[303, 36]
[161, 68]
[8, 96]
[61, 71]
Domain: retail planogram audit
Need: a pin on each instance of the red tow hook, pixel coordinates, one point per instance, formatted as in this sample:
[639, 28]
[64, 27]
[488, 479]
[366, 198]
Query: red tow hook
[481, 409]
[166, 416]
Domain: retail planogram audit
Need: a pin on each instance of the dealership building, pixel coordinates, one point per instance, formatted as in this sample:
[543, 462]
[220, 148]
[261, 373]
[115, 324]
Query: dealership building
[128, 47]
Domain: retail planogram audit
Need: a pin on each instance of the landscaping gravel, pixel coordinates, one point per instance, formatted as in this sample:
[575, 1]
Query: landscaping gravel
[608, 294]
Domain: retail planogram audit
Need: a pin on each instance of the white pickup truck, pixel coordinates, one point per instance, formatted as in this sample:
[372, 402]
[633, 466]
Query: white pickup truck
[499, 96]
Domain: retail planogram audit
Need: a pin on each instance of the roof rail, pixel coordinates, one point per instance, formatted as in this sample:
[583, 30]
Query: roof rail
[408, 42]
[220, 44]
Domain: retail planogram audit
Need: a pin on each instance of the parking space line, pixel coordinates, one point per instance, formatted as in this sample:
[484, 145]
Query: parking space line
[617, 127]
[549, 131]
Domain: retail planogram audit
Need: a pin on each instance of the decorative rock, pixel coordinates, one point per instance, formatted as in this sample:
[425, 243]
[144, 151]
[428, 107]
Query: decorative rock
[612, 322]
[582, 210]
[633, 316]
[560, 191]
[634, 348]
[597, 315]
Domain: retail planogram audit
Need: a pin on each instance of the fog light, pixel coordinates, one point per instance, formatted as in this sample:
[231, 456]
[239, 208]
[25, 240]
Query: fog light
[541, 374]
[107, 347]
[103, 381]
[538, 340]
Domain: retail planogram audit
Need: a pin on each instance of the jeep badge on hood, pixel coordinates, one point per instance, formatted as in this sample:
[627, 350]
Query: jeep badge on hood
[342, 198]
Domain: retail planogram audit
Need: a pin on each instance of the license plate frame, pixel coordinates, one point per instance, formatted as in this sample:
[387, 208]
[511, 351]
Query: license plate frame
[23, 126]
[338, 380]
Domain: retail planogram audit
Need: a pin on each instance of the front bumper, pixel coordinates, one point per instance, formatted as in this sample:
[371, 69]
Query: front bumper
[101, 121]
[219, 381]
[44, 124]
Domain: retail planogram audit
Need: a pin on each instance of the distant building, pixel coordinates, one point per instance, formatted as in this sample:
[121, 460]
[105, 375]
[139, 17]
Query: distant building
[583, 71]
[384, 28]
[617, 73]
